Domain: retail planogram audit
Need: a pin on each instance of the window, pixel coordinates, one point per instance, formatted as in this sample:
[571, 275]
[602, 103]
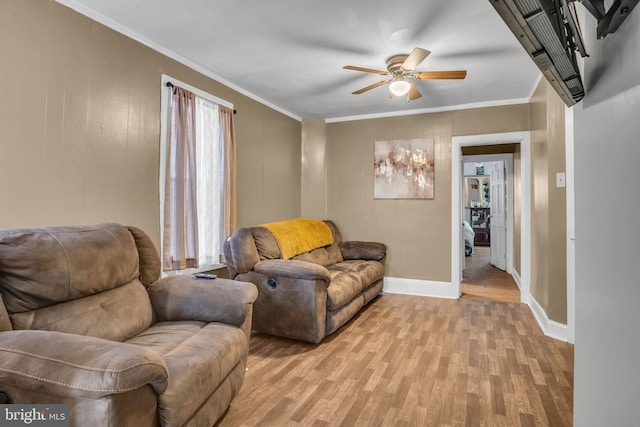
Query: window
[196, 178]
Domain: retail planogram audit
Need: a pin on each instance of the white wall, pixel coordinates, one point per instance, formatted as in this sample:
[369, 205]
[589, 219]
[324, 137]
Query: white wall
[470, 167]
[607, 149]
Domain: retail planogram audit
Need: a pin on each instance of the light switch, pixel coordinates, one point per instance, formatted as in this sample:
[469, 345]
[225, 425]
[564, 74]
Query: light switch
[561, 180]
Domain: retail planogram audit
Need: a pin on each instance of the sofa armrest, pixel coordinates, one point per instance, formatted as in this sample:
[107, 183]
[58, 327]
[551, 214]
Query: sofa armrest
[188, 298]
[372, 251]
[76, 365]
[292, 269]
[292, 298]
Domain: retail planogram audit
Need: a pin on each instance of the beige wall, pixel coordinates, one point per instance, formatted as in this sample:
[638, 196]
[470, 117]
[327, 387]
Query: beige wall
[314, 169]
[548, 203]
[417, 232]
[80, 126]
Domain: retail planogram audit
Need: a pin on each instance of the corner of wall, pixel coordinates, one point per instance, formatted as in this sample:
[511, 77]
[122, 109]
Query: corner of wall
[549, 327]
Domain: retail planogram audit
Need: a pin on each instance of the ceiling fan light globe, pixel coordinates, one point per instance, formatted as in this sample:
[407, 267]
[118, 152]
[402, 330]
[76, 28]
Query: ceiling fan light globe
[399, 87]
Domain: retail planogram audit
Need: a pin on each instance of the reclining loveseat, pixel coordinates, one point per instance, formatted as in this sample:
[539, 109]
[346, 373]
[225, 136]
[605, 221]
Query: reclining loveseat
[309, 281]
[86, 321]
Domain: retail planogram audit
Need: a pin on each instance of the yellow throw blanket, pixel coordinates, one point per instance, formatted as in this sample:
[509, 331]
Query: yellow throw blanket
[299, 235]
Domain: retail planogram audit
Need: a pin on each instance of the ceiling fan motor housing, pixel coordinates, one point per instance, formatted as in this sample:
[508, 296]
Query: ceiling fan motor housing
[394, 65]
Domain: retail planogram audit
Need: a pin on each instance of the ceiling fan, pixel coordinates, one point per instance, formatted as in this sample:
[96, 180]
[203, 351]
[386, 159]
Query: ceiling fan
[401, 70]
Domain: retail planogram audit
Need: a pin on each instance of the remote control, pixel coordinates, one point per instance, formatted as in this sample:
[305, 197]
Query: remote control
[205, 276]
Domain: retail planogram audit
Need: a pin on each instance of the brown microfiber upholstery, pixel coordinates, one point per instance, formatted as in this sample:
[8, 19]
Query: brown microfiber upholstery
[312, 294]
[240, 251]
[85, 320]
[363, 250]
[81, 280]
[265, 243]
[199, 356]
[189, 298]
[117, 314]
[325, 256]
[5, 322]
[78, 365]
[349, 278]
[150, 266]
[43, 267]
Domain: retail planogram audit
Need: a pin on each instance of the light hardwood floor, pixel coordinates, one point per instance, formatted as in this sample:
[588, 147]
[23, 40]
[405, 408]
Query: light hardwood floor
[412, 361]
[481, 280]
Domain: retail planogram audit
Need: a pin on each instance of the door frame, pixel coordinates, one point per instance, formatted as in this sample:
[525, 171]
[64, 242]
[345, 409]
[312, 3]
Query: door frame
[507, 159]
[457, 142]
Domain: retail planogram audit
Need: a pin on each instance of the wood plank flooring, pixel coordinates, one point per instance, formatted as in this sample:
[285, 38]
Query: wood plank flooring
[481, 280]
[412, 361]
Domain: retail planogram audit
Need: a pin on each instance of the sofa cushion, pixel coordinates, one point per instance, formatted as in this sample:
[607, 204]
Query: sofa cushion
[363, 250]
[265, 243]
[199, 357]
[74, 365]
[325, 256]
[349, 278]
[47, 266]
[117, 314]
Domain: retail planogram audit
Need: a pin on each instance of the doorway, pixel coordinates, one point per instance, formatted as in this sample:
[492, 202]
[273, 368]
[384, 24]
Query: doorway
[522, 271]
[518, 267]
[488, 220]
[488, 205]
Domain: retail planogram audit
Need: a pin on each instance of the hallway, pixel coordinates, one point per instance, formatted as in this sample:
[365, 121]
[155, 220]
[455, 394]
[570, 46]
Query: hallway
[482, 281]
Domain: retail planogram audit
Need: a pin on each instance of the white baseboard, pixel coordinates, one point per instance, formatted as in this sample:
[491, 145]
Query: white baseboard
[428, 288]
[425, 288]
[516, 278]
[549, 327]
[524, 297]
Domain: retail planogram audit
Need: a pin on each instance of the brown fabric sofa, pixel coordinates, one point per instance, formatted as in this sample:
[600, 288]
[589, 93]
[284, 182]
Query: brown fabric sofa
[312, 294]
[86, 321]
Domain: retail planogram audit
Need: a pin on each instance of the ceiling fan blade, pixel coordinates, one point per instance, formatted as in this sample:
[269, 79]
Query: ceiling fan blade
[416, 56]
[440, 75]
[373, 86]
[366, 70]
[414, 93]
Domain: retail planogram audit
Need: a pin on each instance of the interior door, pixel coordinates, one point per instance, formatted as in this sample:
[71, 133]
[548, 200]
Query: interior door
[497, 195]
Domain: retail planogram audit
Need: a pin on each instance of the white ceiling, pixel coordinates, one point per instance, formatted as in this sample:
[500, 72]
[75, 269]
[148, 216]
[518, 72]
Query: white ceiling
[289, 54]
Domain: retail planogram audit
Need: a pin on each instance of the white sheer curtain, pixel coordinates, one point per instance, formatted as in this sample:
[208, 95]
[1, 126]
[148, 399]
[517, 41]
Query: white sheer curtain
[210, 166]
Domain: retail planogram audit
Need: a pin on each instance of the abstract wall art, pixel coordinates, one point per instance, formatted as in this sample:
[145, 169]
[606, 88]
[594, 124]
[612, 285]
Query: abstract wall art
[404, 169]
